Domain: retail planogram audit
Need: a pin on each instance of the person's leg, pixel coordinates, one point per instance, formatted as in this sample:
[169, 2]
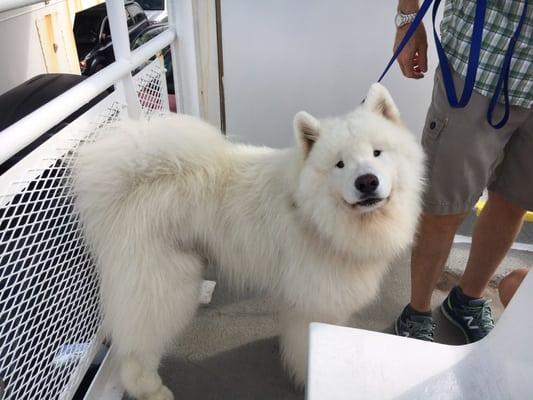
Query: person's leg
[429, 254]
[462, 153]
[495, 231]
[510, 284]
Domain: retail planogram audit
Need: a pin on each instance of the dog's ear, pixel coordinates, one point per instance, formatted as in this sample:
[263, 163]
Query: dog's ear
[379, 100]
[306, 130]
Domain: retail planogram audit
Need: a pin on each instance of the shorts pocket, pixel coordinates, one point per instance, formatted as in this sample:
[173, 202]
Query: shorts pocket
[433, 127]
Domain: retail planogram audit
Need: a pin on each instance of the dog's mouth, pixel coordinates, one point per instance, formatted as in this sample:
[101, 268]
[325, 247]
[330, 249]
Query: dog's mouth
[367, 203]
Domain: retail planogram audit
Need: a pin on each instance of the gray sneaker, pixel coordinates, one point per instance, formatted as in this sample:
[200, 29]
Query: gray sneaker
[473, 318]
[415, 326]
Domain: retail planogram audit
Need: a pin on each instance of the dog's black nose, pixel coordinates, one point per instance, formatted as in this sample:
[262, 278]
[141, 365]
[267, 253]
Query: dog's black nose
[367, 183]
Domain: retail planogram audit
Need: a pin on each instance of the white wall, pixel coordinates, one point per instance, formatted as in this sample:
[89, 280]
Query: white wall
[282, 56]
[21, 53]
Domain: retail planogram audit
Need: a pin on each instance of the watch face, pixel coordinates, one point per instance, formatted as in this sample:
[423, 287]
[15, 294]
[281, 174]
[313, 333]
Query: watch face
[398, 20]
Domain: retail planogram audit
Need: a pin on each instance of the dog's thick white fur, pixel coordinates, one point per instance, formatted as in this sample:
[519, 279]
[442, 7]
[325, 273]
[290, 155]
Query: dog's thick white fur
[159, 199]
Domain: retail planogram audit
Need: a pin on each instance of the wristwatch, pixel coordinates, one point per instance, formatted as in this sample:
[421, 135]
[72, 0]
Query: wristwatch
[402, 19]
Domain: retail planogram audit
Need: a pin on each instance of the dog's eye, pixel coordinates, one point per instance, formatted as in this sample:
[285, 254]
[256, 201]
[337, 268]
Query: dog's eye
[340, 164]
[377, 153]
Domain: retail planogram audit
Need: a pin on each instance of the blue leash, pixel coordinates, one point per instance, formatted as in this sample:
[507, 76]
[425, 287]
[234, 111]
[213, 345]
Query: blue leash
[473, 60]
[504, 76]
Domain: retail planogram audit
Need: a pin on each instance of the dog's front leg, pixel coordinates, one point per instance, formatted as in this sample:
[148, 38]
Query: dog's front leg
[293, 345]
[294, 342]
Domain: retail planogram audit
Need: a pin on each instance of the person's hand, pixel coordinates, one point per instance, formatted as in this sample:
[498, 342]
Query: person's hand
[413, 59]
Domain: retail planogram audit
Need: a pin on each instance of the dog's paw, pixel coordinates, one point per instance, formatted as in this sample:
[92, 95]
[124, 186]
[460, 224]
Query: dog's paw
[143, 384]
[163, 393]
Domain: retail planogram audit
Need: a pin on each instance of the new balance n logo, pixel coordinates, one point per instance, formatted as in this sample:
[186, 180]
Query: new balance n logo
[469, 320]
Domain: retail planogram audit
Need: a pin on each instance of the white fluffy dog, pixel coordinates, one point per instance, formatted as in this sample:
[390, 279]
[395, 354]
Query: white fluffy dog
[315, 225]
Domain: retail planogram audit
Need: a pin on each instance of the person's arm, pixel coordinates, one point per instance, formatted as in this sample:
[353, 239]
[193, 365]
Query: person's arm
[413, 58]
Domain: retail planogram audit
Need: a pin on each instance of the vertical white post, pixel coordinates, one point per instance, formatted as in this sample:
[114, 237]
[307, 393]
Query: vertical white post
[121, 47]
[184, 57]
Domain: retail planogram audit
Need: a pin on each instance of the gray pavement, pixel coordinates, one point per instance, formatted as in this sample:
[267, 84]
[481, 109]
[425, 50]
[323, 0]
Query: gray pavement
[231, 349]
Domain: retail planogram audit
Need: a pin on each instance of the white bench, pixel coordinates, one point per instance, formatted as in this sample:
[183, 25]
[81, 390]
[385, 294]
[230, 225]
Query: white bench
[347, 363]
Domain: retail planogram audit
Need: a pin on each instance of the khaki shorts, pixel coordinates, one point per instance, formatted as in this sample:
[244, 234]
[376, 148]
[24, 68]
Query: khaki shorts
[465, 154]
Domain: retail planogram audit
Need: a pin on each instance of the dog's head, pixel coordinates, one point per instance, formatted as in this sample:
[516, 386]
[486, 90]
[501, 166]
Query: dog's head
[360, 165]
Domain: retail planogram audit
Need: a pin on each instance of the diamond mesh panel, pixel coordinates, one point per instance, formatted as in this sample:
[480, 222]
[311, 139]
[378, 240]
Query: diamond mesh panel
[150, 84]
[49, 314]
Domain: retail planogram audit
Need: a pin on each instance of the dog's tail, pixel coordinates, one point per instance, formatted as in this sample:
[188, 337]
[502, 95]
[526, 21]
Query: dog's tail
[143, 167]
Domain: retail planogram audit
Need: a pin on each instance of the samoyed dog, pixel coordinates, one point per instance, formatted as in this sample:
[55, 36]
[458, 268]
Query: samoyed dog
[315, 226]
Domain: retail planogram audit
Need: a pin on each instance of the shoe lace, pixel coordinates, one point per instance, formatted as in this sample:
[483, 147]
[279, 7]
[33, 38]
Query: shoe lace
[421, 329]
[482, 316]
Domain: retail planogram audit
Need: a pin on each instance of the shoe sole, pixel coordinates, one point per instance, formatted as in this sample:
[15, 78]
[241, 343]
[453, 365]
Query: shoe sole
[455, 323]
[396, 331]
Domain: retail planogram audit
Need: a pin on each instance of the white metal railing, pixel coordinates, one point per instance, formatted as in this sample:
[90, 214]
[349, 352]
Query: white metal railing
[23, 132]
[49, 316]
[181, 21]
